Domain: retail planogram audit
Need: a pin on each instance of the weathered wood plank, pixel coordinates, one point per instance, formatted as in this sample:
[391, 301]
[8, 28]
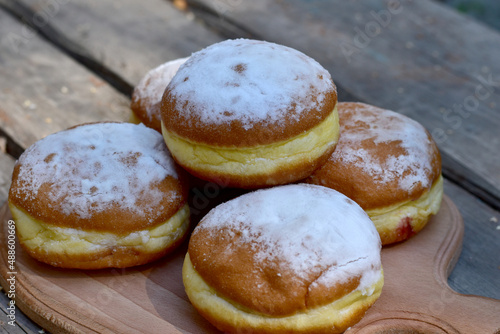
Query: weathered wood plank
[477, 271]
[21, 324]
[474, 272]
[128, 37]
[429, 72]
[62, 15]
[43, 91]
[415, 57]
[6, 166]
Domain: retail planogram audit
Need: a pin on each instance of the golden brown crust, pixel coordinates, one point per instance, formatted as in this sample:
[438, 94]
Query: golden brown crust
[194, 129]
[230, 317]
[282, 259]
[114, 220]
[355, 182]
[40, 204]
[307, 98]
[140, 106]
[234, 276]
[146, 97]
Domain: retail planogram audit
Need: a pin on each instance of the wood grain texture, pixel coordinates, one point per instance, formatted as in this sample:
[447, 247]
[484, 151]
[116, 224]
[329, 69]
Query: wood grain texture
[29, 75]
[21, 325]
[43, 91]
[477, 271]
[418, 58]
[127, 37]
[437, 70]
[151, 298]
[422, 300]
[145, 299]
[6, 167]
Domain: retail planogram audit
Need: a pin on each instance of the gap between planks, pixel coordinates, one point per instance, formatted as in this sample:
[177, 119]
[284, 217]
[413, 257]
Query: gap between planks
[27, 16]
[227, 28]
[453, 169]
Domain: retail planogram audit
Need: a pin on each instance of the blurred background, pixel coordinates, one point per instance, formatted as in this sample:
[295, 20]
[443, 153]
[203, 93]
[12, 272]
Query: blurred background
[487, 11]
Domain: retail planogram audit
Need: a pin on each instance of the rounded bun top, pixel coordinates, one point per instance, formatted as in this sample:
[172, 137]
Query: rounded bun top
[382, 157]
[286, 249]
[114, 177]
[146, 97]
[255, 91]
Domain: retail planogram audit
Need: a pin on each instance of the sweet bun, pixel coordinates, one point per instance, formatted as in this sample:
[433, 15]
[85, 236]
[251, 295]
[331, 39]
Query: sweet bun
[250, 114]
[387, 163]
[296, 258]
[146, 97]
[99, 195]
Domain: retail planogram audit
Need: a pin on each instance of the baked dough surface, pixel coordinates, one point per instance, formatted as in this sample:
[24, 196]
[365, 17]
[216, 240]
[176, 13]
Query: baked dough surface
[286, 256]
[400, 221]
[75, 248]
[382, 158]
[147, 95]
[389, 165]
[107, 177]
[244, 93]
[331, 318]
[99, 195]
[257, 161]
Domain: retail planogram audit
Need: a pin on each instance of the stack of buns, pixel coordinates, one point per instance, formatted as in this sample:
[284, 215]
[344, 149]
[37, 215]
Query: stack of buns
[328, 184]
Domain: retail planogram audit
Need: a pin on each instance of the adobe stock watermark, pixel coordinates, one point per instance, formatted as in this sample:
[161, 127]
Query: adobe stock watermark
[373, 28]
[202, 195]
[455, 116]
[439, 303]
[11, 273]
[39, 19]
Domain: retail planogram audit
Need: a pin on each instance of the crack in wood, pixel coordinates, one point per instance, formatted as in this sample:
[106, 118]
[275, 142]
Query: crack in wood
[227, 28]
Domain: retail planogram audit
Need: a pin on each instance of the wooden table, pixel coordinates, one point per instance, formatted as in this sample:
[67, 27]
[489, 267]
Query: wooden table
[68, 62]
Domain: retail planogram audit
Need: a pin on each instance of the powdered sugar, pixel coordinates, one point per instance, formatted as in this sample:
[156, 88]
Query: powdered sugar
[153, 84]
[307, 228]
[248, 81]
[384, 127]
[92, 166]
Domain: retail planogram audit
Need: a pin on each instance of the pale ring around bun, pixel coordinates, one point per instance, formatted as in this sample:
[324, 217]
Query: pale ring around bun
[250, 114]
[289, 259]
[387, 163]
[99, 195]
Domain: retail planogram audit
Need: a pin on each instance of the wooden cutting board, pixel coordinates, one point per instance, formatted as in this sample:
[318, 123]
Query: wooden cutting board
[151, 298]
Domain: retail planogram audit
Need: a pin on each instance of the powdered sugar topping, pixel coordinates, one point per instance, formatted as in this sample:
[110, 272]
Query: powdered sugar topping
[368, 124]
[248, 81]
[153, 84]
[307, 228]
[92, 166]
